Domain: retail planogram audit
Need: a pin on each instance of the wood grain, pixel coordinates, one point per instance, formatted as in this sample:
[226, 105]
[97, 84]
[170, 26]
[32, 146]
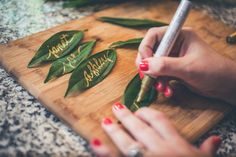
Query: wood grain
[193, 115]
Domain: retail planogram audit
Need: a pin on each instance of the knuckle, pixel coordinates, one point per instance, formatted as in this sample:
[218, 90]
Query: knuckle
[153, 30]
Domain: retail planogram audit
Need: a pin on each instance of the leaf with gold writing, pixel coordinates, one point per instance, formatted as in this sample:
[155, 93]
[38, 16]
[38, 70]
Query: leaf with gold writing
[92, 71]
[57, 46]
[132, 23]
[68, 63]
[130, 42]
[132, 91]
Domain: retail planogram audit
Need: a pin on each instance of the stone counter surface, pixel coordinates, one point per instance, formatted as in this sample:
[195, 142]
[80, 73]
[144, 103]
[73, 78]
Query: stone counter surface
[26, 127]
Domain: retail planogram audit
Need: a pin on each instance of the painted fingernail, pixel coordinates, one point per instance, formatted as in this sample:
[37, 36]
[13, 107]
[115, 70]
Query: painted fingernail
[168, 92]
[143, 65]
[159, 86]
[96, 142]
[141, 75]
[118, 106]
[216, 140]
[107, 121]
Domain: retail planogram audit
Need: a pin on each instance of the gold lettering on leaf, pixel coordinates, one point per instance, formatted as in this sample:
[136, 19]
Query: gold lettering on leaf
[70, 62]
[94, 68]
[56, 51]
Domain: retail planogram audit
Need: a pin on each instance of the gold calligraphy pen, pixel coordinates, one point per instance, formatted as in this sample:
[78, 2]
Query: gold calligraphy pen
[166, 44]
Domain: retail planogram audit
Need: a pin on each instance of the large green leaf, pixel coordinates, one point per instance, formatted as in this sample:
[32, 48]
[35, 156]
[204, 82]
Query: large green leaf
[82, 3]
[56, 46]
[131, 92]
[68, 63]
[130, 42]
[133, 23]
[92, 71]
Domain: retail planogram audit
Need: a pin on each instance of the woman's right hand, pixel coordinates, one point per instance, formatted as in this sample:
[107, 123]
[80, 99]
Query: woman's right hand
[197, 64]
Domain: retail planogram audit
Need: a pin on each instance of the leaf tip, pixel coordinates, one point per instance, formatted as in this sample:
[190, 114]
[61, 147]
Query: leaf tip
[66, 94]
[46, 80]
[30, 66]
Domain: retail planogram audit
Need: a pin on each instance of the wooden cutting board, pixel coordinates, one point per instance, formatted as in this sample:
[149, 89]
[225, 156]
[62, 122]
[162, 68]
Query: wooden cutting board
[193, 115]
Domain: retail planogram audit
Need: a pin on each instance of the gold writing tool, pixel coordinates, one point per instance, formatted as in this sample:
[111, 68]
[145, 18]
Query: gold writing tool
[167, 43]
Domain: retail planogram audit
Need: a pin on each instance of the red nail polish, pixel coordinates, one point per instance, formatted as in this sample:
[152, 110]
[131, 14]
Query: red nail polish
[159, 86]
[96, 142]
[141, 75]
[168, 92]
[144, 66]
[118, 106]
[107, 121]
[216, 140]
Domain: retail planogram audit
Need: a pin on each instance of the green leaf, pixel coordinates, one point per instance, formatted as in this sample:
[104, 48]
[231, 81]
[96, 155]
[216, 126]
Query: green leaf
[79, 3]
[132, 91]
[82, 3]
[68, 63]
[92, 71]
[133, 23]
[57, 46]
[130, 42]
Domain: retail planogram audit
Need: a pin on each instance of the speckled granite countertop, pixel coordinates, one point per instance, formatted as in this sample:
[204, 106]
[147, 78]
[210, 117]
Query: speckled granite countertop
[26, 127]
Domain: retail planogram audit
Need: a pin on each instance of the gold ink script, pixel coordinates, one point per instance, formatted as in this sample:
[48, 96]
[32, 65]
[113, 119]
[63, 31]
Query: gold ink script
[70, 61]
[55, 51]
[94, 66]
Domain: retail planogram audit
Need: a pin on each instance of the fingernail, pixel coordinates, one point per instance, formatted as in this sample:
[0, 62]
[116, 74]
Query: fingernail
[159, 86]
[107, 121]
[118, 106]
[216, 140]
[143, 66]
[141, 75]
[96, 142]
[168, 92]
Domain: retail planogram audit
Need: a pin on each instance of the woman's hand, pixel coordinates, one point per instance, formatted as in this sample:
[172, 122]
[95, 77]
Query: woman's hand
[198, 65]
[152, 133]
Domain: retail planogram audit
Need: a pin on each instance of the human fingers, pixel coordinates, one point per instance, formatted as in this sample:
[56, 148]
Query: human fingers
[152, 38]
[121, 139]
[162, 85]
[168, 92]
[99, 148]
[141, 75]
[159, 122]
[211, 145]
[137, 128]
[164, 66]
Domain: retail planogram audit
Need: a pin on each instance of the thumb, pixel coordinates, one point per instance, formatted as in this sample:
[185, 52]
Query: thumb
[210, 145]
[164, 66]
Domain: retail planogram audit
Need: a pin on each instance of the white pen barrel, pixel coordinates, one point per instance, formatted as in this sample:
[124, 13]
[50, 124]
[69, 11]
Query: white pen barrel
[173, 29]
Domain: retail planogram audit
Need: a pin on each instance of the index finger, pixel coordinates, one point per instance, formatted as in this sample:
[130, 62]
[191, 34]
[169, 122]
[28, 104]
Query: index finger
[136, 127]
[153, 37]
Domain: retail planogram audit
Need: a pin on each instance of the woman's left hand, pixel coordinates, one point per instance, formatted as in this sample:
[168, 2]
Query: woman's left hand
[150, 134]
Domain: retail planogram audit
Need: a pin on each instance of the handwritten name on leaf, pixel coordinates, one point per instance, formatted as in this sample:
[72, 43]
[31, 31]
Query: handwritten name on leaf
[68, 63]
[131, 93]
[92, 71]
[132, 23]
[57, 46]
